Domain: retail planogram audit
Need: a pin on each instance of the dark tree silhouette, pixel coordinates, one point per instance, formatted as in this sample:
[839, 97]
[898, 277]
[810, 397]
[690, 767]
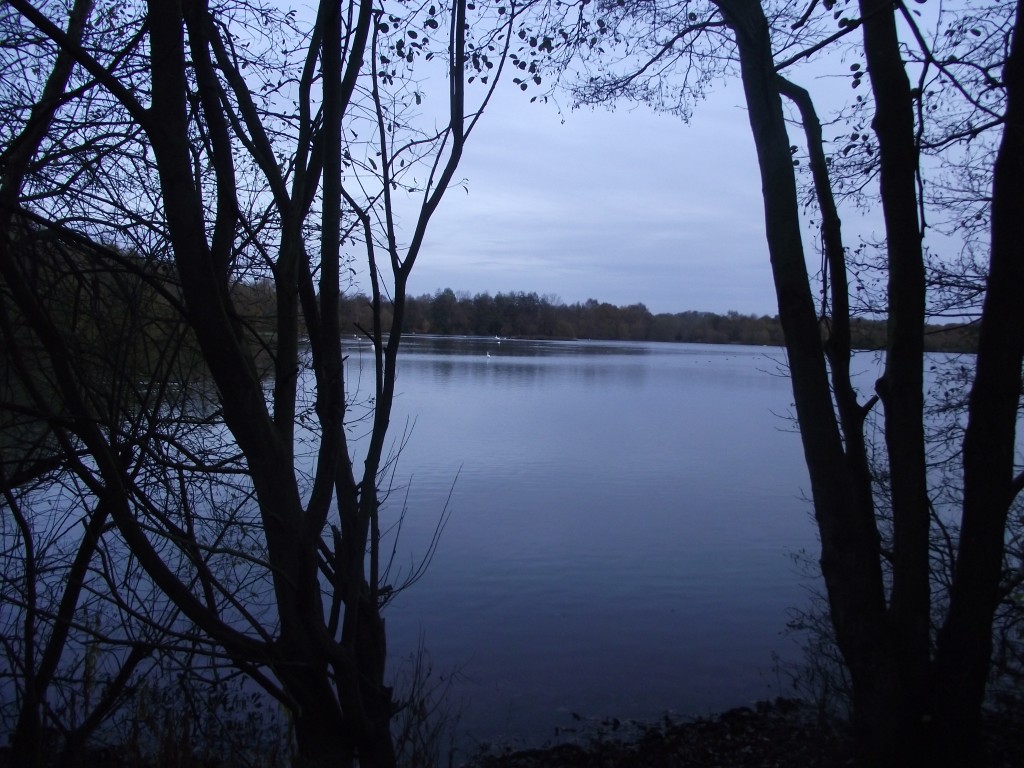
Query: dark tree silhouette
[917, 691]
[229, 146]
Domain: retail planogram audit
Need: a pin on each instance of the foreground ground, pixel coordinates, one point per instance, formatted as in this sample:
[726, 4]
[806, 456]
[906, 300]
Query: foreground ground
[781, 734]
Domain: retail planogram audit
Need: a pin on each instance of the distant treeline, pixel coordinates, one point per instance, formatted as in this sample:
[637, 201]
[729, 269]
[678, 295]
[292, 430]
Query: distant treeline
[527, 315]
[515, 314]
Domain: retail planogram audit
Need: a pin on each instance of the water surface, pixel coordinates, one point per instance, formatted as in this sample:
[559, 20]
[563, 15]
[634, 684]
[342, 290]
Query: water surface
[622, 520]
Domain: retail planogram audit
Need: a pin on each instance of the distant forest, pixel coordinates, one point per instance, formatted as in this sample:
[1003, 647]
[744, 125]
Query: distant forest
[527, 315]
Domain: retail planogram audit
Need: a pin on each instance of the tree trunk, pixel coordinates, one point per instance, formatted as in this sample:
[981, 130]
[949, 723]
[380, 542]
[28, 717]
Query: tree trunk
[905, 707]
[322, 735]
[837, 344]
[333, 686]
[843, 510]
[965, 641]
[901, 387]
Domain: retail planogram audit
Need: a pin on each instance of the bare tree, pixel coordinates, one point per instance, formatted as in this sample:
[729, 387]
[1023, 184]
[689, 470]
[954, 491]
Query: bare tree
[917, 686]
[253, 146]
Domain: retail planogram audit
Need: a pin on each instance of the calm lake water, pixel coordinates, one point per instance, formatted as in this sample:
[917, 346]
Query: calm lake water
[622, 520]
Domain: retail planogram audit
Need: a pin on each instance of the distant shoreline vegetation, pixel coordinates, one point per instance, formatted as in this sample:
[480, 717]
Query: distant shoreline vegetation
[528, 315]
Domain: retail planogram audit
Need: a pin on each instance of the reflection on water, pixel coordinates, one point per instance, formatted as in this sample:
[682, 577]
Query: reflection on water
[620, 529]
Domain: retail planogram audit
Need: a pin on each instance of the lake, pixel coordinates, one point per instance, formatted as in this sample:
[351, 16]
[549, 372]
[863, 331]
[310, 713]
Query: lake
[622, 523]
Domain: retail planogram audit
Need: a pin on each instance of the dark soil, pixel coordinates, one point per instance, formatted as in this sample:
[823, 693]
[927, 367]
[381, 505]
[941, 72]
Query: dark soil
[780, 734]
[770, 735]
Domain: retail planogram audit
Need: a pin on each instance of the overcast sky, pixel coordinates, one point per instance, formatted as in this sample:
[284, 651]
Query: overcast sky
[625, 207]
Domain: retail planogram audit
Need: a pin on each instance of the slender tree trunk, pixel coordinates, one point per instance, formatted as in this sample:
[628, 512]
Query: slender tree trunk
[965, 641]
[901, 387]
[334, 686]
[837, 344]
[849, 536]
[323, 736]
[26, 740]
[376, 745]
